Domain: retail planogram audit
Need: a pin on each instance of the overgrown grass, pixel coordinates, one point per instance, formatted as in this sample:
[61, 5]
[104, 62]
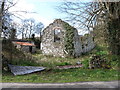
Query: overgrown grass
[52, 62]
[53, 75]
[63, 76]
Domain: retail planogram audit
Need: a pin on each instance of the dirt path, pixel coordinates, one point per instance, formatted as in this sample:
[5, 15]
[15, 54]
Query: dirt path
[110, 84]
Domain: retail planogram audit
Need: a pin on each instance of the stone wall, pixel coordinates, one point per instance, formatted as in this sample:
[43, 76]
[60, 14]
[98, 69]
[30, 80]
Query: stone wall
[49, 46]
[88, 44]
[26, 49]
[77, 44]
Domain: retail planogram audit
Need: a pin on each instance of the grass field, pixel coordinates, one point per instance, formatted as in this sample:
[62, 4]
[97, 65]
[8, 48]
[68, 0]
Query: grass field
[54, 75]
[63, 76]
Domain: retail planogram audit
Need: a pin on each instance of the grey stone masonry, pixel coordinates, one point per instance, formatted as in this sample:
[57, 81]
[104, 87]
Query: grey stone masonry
[53, 40]
[49, 45]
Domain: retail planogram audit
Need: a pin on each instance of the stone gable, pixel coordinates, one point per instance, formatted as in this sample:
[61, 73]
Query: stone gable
[53, 40]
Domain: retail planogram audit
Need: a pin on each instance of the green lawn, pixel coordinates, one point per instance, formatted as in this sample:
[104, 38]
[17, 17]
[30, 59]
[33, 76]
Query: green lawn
[62, 76]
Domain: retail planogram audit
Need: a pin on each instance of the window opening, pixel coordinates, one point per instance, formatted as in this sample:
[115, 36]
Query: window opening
[57, 32]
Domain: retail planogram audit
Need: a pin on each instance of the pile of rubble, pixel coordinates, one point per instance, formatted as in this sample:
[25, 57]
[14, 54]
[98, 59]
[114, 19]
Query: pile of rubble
[98, 61]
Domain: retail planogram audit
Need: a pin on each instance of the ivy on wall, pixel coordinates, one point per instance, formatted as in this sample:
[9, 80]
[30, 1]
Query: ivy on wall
[69, 38]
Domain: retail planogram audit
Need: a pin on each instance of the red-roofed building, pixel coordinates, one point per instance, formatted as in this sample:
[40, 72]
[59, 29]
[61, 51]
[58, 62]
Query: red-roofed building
[25, 46]
[24, 43]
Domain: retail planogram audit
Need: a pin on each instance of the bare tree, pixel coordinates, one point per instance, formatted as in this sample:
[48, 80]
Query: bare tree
[6, 15]
[2, 5]
[78, 13]
[31, 23]
[27, 28]
[90, 14]
[39, 28]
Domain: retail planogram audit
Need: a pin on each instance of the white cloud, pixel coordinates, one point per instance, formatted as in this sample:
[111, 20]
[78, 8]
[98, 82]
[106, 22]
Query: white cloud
[22, 5]
[25, 5]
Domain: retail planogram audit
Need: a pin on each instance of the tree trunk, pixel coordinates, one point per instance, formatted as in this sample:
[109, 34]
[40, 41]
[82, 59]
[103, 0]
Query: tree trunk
[1, 15]
[114, 36]
[114, 27]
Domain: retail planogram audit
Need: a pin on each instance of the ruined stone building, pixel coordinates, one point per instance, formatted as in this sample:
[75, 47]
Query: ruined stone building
[61, 39]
